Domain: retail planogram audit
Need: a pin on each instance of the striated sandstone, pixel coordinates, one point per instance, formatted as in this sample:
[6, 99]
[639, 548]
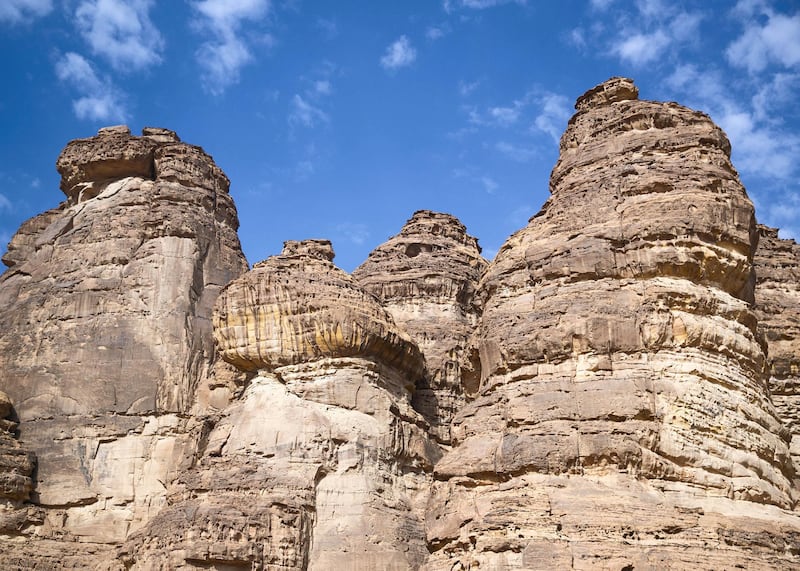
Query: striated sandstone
[616, 390]
[619, 351]
[426, 277]
[107, 347]
[777, 268]
[323, 463]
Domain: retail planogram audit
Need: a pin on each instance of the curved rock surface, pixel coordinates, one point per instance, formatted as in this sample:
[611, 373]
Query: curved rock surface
[618, 352]
[426, 277]
[323, 463]
[106, 318]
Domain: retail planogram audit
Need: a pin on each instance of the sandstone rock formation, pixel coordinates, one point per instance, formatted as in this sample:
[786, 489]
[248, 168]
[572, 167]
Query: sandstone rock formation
[323, 463]
[618, 389]
[426, 277]
[777, 265]
[623, 407]
[106, 314]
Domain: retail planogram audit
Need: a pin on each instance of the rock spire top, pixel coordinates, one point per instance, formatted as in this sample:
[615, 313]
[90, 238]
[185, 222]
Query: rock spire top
[610, 91]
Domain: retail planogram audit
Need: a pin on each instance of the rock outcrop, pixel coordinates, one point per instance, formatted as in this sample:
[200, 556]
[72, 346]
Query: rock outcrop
[426, 277]
[777, 265]
[106, 318]
[323, 463]
[623, 406]
[618, 389]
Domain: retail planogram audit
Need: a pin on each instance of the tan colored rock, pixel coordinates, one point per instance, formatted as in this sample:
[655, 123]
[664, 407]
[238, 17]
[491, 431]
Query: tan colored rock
[323, 463]
[426, 277]
[619, 352]
[298, 307]
[107, 347]
[777, 268]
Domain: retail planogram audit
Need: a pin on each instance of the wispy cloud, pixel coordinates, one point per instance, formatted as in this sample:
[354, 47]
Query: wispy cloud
[544, 111]
[657, 29]
[120, 32]
[22, 11]
[515, 152]
[223, 56]
[303, 113]
[450, 5]
[353, 232]
[306, 107]
[776, 41]
[486, 182]
[99, 99]
[5, 204]
[399, 54]
[554, 112]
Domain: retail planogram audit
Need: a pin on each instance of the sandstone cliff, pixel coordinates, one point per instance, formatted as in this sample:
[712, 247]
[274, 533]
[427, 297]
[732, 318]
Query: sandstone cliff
[106, 318]
[426, 278]
[616, 390]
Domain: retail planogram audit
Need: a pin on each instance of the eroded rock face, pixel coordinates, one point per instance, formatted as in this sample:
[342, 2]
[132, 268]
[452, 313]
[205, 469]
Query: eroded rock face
[618, 352]
[616, 390]
[426, 277]
[106, 318]
[323, 463]
[777, 267]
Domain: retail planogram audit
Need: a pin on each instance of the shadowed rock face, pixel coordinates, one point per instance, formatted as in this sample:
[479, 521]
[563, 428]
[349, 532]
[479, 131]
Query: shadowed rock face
[106, 318]
[618, 352]
[323, 463]
[426, 277]
[777, 267]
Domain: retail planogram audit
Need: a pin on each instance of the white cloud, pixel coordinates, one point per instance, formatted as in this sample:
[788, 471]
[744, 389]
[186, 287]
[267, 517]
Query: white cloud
[434, 33]
[483, 4]
[100, 100]
[226, 53]
[466, 88]
[121, 32]
[489, 184]
[303, 113]
[5, 203]
[554, 114]
[19, 11]
[777, 41]
[505, 115]
[399, 54]
[639, 49]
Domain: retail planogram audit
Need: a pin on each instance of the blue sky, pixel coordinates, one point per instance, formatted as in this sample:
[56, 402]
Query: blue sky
[340, 119]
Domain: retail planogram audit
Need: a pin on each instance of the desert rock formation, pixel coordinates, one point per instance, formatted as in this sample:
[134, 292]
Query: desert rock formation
[426, 278]
[617, 389]
[106, 318]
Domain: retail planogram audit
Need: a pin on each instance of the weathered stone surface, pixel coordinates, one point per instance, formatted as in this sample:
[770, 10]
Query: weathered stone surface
[777, 268]
[616, 390]
[298, 307]
[617, 343]
[426, 277]
[323, 463]
[106, 319]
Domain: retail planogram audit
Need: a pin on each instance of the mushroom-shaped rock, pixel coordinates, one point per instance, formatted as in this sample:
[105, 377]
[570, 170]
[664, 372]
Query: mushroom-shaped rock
[299, 307]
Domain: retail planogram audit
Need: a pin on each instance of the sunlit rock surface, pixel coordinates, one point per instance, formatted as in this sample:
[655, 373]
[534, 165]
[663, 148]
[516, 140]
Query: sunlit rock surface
[616, 390]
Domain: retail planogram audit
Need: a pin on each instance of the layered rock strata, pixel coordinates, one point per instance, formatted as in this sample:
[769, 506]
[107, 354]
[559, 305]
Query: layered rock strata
[777, 267]
[323, 463]
[623, 406]
[426, 277]
[106, 313]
